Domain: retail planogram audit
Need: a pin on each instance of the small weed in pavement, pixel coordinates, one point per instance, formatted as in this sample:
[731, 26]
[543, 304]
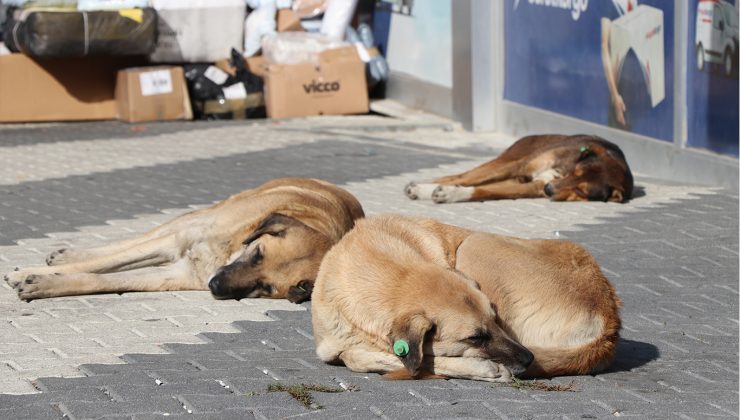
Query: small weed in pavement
[539, 385]
[301, 392]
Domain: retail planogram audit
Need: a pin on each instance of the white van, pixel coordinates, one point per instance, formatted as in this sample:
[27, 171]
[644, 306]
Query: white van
[717, 35]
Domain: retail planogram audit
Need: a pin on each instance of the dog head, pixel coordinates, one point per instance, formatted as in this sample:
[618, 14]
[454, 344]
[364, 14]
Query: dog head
[598, 172]
[458, 324]
[280, 259]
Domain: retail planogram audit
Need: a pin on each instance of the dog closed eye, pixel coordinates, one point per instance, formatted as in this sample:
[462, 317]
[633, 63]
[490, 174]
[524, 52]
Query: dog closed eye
[257, 257]
[479, 338]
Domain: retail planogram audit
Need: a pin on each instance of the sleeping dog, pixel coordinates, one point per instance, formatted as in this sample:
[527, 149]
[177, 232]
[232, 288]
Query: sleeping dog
[263, 242]
[563, 168]
[415, 298]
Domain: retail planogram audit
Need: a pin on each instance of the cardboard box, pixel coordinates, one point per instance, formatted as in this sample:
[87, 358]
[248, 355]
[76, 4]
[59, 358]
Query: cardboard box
[257, 65]
[336, 86]
[288, 21]
[641, 30]
[152, 94]
[195, 31]
[70, 89]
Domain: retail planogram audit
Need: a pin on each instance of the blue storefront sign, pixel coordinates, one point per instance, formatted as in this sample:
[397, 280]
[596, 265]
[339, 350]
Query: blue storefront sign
[608, 61]
[712, 85]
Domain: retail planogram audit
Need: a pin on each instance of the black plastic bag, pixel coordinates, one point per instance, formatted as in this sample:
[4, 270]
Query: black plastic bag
[219, 95]
[62, 33]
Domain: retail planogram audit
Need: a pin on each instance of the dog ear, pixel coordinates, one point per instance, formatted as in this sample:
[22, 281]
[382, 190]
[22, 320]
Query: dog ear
[407, 337]
[274, 224]
[586, 153]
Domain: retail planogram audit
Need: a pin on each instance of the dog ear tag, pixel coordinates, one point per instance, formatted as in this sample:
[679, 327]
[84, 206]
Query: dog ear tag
[585, 152]
[401, 348]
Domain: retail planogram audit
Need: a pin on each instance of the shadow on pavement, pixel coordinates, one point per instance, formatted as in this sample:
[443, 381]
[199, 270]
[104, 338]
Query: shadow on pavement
[638, 191]
[633, 354]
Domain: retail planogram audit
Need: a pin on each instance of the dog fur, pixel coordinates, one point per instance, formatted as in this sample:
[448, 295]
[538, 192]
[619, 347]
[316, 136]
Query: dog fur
[470, 304]
[263, 242]
[564, 168]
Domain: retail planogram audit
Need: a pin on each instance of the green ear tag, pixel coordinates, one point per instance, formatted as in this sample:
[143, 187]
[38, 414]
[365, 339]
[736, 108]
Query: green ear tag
[584, 149]
[401, 348]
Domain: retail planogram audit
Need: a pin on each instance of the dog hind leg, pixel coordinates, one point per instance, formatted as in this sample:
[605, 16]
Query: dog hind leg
[493, 171]
[178, 224]
[72, 255]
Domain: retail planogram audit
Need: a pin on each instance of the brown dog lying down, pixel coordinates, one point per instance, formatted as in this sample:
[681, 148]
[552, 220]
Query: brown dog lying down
[263, 242]
[564, 168]
[459, 303]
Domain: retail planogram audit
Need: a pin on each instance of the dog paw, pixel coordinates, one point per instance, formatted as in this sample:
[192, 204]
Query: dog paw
[56, 257]
[37, 286]
[65, 256]
[491, 371]
[14, 278]
[416, 191]
[411, 190]
[452, 194]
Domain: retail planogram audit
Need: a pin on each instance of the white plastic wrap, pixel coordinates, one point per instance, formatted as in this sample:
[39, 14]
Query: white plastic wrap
[194, 31]
[111, 4]
[309, 9]
[337, 17]
[66, 4]
[260, 23]
[296, 47]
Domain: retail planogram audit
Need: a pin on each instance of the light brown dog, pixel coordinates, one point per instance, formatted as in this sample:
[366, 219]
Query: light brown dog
[467, 304]
[263, 242]
[564, 168]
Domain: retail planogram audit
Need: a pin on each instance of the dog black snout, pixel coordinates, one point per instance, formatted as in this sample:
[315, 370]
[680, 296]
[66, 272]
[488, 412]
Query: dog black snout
[605, 194]
[526, 358]
[215, 285]
[549, 191]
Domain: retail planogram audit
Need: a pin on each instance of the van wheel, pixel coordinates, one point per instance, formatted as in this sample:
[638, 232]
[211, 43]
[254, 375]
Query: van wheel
[700, 57]
[728, 62]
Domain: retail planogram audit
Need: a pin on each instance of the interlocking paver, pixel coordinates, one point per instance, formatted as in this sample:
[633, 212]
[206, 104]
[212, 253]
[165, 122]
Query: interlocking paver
[671, 253]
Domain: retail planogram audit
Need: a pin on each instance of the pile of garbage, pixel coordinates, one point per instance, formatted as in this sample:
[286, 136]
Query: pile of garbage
[148, 60]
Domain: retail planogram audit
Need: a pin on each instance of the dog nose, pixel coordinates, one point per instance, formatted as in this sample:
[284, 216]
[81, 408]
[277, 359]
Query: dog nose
[215, 284]
[549, 190]
[526, 358]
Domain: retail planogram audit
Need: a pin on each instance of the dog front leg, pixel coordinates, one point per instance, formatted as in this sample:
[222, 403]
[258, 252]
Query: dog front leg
[493, 171]
[155, 252]
[510, 189]
[171, 277]
[363, 360]
[467, 368]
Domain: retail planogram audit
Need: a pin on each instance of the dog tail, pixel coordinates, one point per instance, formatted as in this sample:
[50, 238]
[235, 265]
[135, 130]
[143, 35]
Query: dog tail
[590, 358]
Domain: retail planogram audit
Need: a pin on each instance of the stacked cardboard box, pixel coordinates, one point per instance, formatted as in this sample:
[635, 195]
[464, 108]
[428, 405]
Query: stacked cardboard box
[123, 87]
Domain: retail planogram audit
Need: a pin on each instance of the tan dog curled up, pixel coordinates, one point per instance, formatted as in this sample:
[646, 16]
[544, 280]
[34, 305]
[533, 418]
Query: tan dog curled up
[415, 297]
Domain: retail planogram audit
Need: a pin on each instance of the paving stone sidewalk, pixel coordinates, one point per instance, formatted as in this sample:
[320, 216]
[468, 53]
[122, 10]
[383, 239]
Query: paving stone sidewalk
[672, 253]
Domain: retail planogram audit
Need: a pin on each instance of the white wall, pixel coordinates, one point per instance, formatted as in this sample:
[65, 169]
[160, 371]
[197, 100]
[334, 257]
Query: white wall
[421, 44]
